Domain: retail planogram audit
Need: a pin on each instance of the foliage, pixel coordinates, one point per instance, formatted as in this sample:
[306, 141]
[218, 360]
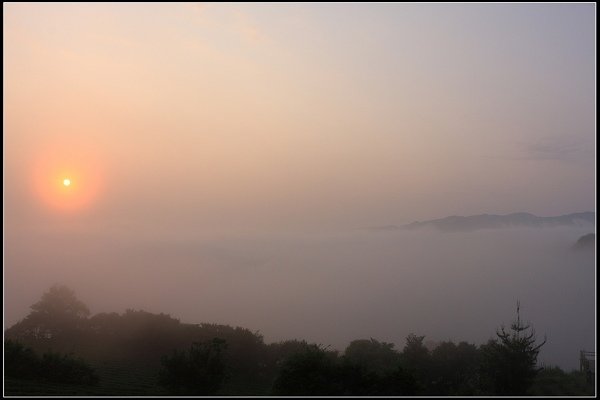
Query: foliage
[279, 352]
[314, 371]
[372, 355]
[309, 372]
[375, 369]
[150, 354]
[510, 363]
[415, 358]
[454, 369]
[67, 369]
[553, 381]
[60, 301]
[58, 314]
[399, 382]
[199, 371]
[21, 362]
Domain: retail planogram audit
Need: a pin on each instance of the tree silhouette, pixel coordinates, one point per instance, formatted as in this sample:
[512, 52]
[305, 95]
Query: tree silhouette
[453, 369]
[20, 361]
[374, 356]
[58, 313]
[58, 328]
[510, 364]
[23, 363]
[313, 371]
[60, 301]
[417, 359]
[200, 371]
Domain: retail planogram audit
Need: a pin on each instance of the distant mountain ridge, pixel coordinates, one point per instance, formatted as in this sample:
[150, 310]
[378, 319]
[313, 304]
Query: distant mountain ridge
[493, 221]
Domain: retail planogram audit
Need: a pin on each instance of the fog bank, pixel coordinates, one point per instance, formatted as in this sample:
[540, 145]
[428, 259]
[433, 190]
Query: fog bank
[329, 288]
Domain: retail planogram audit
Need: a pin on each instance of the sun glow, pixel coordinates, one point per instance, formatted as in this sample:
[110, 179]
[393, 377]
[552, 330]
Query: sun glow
[68, 181]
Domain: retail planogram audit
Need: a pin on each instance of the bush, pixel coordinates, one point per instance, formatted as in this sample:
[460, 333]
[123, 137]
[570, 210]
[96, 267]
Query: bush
[314, 371]
[21, 362]
[311, 371]
[200, 371]
[56, 367]
[553, 381]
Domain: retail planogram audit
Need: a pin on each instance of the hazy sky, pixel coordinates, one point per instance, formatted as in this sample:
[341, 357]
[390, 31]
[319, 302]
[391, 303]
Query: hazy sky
[224, 157]
[206, 116]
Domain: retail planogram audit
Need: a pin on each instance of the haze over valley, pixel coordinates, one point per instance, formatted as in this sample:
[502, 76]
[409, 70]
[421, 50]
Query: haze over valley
[323, 172]
[326, 286]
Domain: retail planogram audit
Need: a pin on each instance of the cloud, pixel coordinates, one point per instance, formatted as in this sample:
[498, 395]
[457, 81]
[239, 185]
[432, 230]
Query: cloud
[546, 150]
[563, 148]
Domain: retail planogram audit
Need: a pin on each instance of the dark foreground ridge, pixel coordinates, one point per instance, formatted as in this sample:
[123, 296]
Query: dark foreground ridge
[59, 350]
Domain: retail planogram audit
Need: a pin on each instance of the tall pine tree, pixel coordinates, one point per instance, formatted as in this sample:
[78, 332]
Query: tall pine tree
[510, 362]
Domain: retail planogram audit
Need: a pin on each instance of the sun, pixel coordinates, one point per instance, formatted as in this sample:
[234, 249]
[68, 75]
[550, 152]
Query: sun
[67, 177]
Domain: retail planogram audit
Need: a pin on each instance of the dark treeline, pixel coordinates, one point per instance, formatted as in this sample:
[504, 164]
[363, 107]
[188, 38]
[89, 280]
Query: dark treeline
[22, 362]
[210, 359]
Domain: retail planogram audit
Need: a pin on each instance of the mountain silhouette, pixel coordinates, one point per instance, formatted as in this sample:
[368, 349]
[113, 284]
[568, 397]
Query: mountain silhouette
[493, 221]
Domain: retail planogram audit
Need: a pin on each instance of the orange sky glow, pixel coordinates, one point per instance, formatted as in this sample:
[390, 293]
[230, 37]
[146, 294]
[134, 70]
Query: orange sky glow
[77, 164]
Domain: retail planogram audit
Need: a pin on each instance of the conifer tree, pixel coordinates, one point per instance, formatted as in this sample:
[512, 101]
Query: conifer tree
[510, 362]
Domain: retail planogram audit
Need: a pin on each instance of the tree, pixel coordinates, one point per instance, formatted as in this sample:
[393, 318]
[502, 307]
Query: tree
[60, 301]
[313, 371]
[510, 363]
[58, 313]
[415, 354]
[20, 361]
[65, 368]
[454, 369]
[279, 352]
[399, 382]
[374, 356]
[416, 359]
[553, 381]
[23, 363]
[200, 371]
